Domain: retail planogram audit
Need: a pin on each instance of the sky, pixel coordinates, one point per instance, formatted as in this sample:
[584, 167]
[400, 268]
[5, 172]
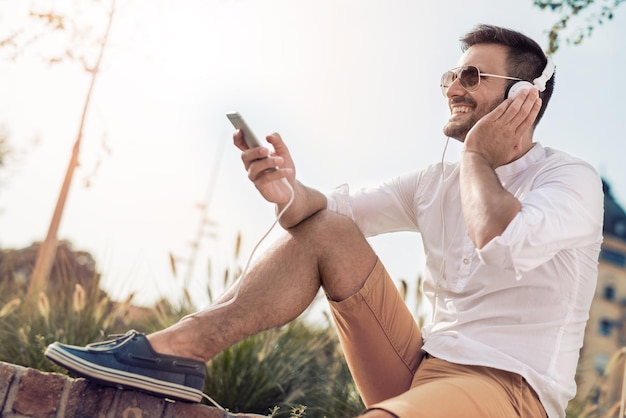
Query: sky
[352, 86]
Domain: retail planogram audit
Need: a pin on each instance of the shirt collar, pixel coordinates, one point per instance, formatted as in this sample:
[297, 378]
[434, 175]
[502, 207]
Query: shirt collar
[515, 167]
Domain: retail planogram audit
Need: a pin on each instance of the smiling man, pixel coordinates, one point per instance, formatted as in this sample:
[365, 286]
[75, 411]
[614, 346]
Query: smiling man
[512, 234]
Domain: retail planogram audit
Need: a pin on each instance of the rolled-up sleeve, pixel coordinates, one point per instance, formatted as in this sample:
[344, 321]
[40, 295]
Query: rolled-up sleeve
[564, 209]
[338, 200]
[387, 207]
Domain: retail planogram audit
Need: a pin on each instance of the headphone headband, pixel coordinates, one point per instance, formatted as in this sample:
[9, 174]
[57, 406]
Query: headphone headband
[548, 72]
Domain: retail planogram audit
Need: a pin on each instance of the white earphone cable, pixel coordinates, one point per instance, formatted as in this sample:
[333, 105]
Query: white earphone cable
[442, 267]
[238, 283]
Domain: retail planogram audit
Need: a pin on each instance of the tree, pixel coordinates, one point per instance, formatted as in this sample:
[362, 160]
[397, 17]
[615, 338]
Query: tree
[80, 45]
[578, 19]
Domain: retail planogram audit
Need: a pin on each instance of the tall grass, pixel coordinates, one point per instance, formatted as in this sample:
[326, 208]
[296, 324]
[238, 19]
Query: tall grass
[294, 371]
[288, 367]
[599, 401]
[73, 315]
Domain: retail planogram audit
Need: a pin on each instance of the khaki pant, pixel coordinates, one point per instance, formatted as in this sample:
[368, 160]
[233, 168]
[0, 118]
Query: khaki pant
[382, 344]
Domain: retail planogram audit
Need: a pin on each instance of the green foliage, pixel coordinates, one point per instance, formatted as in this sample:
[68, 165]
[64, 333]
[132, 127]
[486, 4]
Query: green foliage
[578, 20]
[68, 315]
[595, 403]
[288, 367]
[294, 371]
[283, 369]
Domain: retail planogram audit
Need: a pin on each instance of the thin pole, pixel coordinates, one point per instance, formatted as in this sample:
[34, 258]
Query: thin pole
[48, 248]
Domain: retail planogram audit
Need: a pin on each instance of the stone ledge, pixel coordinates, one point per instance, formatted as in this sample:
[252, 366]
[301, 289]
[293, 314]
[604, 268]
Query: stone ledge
[31, 393]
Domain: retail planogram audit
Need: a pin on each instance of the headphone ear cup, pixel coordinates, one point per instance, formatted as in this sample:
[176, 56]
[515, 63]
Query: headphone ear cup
[517, 88]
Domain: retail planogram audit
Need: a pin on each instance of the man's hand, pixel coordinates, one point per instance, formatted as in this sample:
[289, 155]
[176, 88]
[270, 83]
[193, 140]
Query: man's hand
[505, 134]
[265, 168]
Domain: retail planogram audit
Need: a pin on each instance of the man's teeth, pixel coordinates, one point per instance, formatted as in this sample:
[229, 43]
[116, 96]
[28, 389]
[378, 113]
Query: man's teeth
[461, 109]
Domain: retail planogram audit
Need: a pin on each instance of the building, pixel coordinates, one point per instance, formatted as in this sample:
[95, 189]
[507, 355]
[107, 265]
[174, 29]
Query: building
[605, 335]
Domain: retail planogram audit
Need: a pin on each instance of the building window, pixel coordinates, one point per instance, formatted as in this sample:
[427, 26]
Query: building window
[605, 327]
[614, 257]
[600, 361]
[609, 292]
[619, 228]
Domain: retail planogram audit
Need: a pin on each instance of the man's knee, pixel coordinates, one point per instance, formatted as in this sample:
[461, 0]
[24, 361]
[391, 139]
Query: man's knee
[344, 257]
[331, 234]
[326, 222]
[330, 231]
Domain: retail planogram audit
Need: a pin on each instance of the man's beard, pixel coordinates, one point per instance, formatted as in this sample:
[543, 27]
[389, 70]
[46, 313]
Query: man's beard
[459, 130]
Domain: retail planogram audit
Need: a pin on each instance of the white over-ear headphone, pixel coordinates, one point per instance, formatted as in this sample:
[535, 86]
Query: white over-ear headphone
[539, 82]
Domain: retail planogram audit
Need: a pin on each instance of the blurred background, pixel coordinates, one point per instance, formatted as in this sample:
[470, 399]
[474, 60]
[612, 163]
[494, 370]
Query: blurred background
[352, 86]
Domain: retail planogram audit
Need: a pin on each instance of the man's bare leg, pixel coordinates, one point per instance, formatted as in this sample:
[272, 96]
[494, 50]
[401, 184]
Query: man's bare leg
[326, 250]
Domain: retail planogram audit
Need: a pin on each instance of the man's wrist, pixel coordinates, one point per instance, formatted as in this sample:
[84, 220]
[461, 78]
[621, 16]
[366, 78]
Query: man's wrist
[475, 157]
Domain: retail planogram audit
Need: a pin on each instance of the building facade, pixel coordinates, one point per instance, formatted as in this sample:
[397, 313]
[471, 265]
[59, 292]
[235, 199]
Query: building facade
[601, 365]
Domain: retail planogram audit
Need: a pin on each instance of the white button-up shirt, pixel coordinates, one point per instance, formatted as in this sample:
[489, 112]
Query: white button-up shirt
[521, 303]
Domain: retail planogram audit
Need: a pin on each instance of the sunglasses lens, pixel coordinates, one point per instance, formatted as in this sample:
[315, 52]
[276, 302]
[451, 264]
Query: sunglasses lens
[446, 80]
[469, 77]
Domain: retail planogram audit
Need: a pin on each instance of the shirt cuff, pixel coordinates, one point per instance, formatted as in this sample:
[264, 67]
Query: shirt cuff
[338, 200]
[499, 253]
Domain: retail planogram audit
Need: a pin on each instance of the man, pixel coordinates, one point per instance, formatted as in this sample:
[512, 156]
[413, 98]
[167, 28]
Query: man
[511, 232]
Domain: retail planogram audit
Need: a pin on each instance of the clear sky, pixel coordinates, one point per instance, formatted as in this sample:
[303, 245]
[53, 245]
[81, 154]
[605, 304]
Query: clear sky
[353, 87]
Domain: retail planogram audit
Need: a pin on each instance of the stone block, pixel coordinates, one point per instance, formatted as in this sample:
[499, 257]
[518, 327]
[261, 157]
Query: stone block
[134, 404]
[7, 374]
[89, 400]
[191, 410]
[39, 394]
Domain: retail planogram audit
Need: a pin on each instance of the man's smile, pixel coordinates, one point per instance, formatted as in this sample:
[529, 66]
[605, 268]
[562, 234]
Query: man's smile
[461, 109]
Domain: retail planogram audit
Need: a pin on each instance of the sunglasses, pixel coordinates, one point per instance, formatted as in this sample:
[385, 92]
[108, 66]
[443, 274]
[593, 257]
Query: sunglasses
[469, 77]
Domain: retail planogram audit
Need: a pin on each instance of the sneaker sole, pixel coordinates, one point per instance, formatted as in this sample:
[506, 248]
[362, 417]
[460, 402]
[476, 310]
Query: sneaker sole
[121, 379]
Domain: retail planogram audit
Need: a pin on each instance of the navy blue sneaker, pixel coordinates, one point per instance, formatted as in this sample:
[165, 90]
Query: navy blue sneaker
[129, 361]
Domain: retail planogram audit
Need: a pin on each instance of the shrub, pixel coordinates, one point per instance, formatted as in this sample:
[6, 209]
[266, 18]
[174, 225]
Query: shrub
[293, 371]
[288, 367]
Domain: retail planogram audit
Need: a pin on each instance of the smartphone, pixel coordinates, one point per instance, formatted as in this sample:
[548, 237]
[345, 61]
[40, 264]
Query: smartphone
[250, 139]
[238, 122]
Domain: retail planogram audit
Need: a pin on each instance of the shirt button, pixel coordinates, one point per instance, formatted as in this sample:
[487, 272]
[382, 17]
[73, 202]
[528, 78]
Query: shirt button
[465, 261]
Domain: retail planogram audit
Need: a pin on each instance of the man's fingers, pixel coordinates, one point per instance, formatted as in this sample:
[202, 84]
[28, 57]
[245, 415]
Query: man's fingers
[524, 118]
[517, 111]
[277, 142]
[238, 140]
[529, 120]
[261, 167]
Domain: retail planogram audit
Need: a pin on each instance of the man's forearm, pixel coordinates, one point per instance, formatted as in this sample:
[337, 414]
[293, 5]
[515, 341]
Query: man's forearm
[487, 207]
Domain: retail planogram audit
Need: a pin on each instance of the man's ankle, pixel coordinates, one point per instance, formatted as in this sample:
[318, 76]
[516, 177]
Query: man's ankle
[170, 343]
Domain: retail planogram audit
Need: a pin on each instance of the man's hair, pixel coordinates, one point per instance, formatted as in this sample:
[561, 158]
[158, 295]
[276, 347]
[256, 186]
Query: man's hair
[525, 60]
